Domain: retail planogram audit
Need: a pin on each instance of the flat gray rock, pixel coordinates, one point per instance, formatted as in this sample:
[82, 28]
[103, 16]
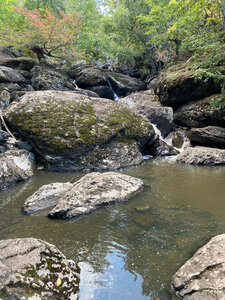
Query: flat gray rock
[36, 269]
[202, 156]
[95, 190]
[46, 196]
[203, 276]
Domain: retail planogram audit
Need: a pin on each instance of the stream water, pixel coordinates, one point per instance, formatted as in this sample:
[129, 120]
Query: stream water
[129, 250]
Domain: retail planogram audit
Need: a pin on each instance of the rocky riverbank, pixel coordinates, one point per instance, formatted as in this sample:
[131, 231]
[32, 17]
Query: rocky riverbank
[67, 120]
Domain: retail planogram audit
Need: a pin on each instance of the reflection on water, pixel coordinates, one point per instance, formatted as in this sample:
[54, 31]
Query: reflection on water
[130, 250]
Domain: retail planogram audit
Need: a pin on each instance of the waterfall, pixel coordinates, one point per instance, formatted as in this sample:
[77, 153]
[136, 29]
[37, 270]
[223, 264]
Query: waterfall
[115, 96]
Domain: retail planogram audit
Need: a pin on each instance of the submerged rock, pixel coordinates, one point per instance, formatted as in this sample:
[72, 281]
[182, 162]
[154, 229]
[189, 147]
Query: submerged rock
[95, 190]
[33, 268]
[202, 156]
[202, 276]
[47, 196]
[208, 136]
[67, 128]
[15, 166]
[146, 103]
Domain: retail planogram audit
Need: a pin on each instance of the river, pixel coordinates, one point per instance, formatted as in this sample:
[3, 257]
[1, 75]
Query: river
[129, 250]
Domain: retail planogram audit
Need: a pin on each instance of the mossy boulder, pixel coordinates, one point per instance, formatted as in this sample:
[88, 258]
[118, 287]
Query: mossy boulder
[66, 128]
[177, 86]
[200, 114]
[34, 269]
[49, 79]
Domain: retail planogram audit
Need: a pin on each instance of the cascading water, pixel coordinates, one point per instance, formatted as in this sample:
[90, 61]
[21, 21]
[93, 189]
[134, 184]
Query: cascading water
[115, 96]
[168, 140]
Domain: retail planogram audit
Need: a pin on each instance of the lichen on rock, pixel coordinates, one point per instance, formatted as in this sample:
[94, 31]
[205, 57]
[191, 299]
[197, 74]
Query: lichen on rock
[31, 267]
[64, 126]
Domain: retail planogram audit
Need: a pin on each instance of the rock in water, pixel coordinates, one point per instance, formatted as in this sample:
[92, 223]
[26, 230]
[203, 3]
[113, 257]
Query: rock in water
[15, 166]
[202, 276]
[47, 196]
[68, 129]
[31, 267]
[95, 190]
[202, 156]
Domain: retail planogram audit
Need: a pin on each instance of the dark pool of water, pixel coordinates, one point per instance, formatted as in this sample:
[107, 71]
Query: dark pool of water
[130, 250]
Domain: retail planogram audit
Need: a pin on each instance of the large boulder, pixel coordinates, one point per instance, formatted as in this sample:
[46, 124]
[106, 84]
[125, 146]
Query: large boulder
[15, 166]
[124, 84]
[202, 156]
[177, 86]
[22, 63]
[47, 196]
[91, 76]
[68, 129]
[202, 276]
[200, 114]
[34, 269]
[213, 136]
[95, 190]
[48, 79]
[10, 75]
[146, 103]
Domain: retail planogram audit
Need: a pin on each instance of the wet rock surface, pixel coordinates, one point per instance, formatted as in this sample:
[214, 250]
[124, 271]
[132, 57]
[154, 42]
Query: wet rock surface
[15, 166]
[34, 269]
[65, 127]
[202, 276]
[202, 156]
[160, 148]
[146, 103]
[124, 84]
[93, 191]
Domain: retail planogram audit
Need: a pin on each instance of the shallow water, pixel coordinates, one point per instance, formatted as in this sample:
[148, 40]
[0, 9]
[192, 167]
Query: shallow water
[130, 250]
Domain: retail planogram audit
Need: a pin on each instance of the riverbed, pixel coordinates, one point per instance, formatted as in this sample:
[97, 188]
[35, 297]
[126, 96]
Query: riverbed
[129, 250]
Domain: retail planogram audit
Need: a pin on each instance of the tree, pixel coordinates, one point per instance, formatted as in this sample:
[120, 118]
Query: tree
[55, 6]
[48, 35]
